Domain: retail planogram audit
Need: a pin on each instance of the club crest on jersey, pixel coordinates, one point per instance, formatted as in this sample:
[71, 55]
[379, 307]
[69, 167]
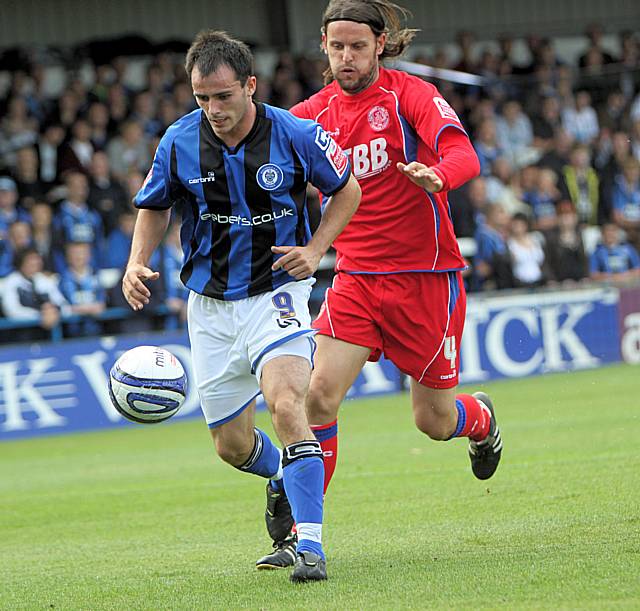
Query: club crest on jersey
[378, 118]
[445, 110]
[269, 176]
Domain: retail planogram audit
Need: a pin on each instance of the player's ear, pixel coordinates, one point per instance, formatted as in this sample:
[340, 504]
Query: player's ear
[380, 43]
[323, 43]
[251, 85]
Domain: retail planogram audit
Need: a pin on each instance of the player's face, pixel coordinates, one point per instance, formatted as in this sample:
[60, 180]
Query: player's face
[353, 51]
[227, 104]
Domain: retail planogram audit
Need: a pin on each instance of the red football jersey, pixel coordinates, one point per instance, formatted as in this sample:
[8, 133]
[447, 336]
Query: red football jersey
[398, 227]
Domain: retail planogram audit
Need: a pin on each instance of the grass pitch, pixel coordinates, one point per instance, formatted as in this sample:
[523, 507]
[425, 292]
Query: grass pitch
[149, 518]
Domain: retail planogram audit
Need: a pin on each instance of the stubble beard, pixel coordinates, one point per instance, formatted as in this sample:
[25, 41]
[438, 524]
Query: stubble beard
[354, 87]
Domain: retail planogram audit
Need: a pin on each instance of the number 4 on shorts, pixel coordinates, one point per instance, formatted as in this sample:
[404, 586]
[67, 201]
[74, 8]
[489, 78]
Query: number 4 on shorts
[450, 350]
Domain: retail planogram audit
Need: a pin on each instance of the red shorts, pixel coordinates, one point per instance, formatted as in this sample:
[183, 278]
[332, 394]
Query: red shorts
[415, 319]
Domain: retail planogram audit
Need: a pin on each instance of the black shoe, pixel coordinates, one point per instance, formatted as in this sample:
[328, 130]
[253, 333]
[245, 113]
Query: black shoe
[277, 515]
[485, 454]
[283, 555]
[308, 567]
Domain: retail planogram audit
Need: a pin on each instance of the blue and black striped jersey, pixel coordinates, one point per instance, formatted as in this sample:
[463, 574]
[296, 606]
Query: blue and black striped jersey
[237, 203]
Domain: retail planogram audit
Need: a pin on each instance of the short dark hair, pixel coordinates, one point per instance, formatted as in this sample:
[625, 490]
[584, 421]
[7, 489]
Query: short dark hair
[211, 49]
[20, 256]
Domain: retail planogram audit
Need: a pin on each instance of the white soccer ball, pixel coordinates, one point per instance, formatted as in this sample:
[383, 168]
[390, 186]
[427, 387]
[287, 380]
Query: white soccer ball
[147, 384]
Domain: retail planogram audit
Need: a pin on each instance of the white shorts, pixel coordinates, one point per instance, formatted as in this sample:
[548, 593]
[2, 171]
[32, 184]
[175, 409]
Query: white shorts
[232, 340]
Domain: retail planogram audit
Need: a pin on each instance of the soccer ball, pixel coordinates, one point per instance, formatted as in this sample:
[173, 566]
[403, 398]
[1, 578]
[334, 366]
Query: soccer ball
[147, 384]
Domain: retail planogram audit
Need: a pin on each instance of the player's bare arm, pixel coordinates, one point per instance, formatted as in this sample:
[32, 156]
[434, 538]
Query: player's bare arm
[422, 175]
[151, 226]
[302, 261]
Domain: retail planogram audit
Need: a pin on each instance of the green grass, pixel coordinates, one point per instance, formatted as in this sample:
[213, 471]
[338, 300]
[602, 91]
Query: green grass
[149, 518]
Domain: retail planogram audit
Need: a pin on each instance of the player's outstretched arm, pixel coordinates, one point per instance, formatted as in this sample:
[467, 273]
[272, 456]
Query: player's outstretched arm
[302, 261]
[151, 226]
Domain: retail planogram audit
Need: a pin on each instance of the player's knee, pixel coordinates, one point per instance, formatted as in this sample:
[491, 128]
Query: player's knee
[288, 409]
[322, 401]
[230, 453]
[438, 429]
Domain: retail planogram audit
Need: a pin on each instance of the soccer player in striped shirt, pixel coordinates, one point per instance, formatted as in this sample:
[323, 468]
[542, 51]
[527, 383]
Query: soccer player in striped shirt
[398, 288]
[238, 171]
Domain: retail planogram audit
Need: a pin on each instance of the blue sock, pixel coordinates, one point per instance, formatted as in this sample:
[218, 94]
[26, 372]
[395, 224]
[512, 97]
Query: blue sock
[304, 481]
[266, 459]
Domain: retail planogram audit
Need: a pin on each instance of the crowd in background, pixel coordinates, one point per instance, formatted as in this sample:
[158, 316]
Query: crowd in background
[557, 201]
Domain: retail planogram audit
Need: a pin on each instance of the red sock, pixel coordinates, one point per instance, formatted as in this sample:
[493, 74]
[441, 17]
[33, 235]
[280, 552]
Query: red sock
[327, 435]
[473, 418]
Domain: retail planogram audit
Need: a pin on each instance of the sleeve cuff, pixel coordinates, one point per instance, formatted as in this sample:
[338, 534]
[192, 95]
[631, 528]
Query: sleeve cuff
[443, 178]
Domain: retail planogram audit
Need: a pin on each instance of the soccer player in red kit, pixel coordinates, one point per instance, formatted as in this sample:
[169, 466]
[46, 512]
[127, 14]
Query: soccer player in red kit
[398, 288]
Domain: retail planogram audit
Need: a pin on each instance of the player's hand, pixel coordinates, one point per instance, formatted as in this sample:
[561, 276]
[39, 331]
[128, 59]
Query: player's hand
[421, 175]
[134, 289]
[298, 261]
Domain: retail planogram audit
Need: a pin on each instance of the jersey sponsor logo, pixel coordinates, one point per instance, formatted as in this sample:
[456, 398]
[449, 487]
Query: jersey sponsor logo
[445, 110]
[269, 176]
[369, 159]
[378, 118]
[233, 219]
[337, 158]
[210, 177]
[323, 139]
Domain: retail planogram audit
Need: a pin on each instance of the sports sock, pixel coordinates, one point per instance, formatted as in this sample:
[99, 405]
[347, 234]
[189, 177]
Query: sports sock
[303, 477]
[473, 418]
[327, 435]
[265, 459]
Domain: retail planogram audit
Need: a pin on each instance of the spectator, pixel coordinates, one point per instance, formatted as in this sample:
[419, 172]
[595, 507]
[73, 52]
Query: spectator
[29, 295]
[17, 130]
[564, 248]
[106, 195]
[467, 207]
[119, 240]
[594, 34]
[167, 112]
[558, 155]
[503, 187]
[19, 236]
[514, 134]
[177, 293]
[626, 199]
[81, 288]
[580, 185]
[613, 259]
[67, 110]
[620, 151]
[527, 255]
[98, 120]
[144, 113]
[76, 222]
[581, 120]
[30, 187]
[76, 154]
[49, 142]
[129, 151]
[492, 262]
[118, 105]
[613, 116]
[486, 145]
[41, 233]
[543, 199]
[546, 123]
[10, 212]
